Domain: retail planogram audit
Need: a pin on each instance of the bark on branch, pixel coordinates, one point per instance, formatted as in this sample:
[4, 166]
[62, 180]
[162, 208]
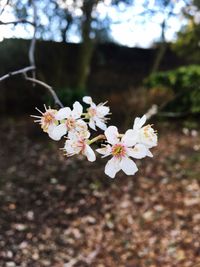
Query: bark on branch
[13, 73]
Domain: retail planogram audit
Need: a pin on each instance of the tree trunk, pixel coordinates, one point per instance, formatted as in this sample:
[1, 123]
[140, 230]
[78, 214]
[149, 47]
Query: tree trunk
[83, 64]
[86, 47]
[161, 50]
[159, 57]
[66, 28]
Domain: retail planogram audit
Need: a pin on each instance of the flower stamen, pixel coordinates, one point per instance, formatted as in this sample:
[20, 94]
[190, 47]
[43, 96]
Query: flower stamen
[118, 151]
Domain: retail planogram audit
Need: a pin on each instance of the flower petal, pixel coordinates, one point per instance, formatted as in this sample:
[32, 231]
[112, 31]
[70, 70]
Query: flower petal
[63, 113]
[81, 125]
[149, 154]
[101, 124]
[112, 167]
[77, 110]
[73, 135]
[57, 132]
[89, 153]
[148, 137]
[71, 148]
[128, 166]
[130, 138]
[139, 122]
[105, 151]
[102, 110]
[112, 134]
[138, 152]
[92, 124]
[87, 100]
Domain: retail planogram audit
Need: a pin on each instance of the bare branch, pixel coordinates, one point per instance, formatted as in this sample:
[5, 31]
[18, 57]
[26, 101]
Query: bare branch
[31, 48]
[15, 22]
[173, 114]
[13, 73]
[1, 12]
[33, 41]
[48, 87]
[33, 80]
[31, 53]
[31, 58]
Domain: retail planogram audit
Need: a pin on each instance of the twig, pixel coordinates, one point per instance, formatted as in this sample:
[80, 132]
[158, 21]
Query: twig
[31, 53]
[173, 114]
[15, 22]
[30, 68]
[1, 12]
[48, 87]
[13, 73]
[31, 48]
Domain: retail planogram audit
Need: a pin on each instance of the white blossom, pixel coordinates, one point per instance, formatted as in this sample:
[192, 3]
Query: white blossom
[96, 114]
[143, 134]
[70, 122]
[121, 149]
[135, 143]
[47, 120]
[76, 144]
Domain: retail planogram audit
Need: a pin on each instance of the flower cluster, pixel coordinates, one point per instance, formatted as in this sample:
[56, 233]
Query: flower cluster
[74, 125]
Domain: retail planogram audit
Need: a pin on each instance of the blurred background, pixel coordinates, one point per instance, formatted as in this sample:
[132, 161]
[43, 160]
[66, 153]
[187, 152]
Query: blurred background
[143, 57]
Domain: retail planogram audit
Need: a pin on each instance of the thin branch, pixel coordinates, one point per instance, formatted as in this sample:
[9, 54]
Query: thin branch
[13, 73]
[31, 59]
[15, 22]
[31, 48]
[1, 12]
[173, 114]
[48, 87]
[31, 53]
[33, 80]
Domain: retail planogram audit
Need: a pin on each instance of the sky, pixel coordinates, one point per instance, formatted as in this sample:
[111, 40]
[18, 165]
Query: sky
[127, 29]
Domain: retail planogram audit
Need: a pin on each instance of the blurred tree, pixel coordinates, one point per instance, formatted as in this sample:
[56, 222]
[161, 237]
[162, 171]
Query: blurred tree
[58, 18]
[83, 20]
[166, 9]
[188, 41]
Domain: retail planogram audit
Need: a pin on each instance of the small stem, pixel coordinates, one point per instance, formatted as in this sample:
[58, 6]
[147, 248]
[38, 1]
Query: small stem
[84, 115]
[99, 137]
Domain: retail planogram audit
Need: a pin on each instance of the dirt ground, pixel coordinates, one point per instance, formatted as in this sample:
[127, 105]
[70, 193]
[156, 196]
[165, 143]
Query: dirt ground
[62, 212]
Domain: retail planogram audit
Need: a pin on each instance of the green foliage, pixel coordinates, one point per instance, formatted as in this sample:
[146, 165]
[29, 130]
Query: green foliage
[185, 84]
[187, 43]
[188, 38]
